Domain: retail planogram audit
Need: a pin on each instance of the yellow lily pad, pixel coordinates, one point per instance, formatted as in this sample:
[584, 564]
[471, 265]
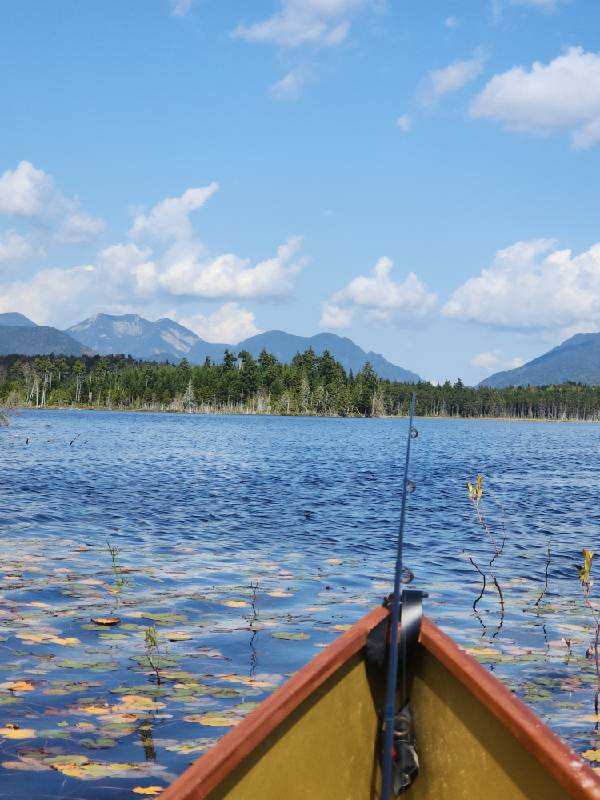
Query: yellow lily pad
[223, 720]
[18, 686]
[106, 621]
[12, 731]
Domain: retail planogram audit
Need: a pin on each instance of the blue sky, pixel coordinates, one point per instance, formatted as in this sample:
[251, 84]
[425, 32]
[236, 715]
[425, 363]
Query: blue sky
[421, 177]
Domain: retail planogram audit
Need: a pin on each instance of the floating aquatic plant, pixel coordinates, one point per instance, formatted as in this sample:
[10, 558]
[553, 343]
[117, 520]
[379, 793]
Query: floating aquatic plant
[544, 591]
[154, 653]
[475, 493]
[120, 581]
[593, 651]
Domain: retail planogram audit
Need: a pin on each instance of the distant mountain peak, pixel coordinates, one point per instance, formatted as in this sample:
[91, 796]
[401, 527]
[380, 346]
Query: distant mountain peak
[35, 340]
[14, 318]
[575, 360]
[134, 335]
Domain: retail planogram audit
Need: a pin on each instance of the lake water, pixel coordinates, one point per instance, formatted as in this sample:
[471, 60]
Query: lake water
[232, 548]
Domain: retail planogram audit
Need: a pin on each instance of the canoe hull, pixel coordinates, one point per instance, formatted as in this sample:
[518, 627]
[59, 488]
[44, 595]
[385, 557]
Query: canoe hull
[466, 753]
[320, 750]
[317, 736]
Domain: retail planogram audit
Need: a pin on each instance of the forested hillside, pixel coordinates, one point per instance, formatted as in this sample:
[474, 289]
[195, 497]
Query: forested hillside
[577, 359]
[33, 339]
[310, 385]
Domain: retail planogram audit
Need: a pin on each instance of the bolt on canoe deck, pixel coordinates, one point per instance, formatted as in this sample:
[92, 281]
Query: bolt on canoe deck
[317, 735]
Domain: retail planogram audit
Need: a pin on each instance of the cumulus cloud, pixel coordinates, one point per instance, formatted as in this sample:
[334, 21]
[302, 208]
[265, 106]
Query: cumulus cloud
[122, 277]
[230, 276]
[229, 324]
[563, 95]
[127, 270]
[493, 359]
[380, 297]
[125, 276]
[334, 316]
[300, 22]
[30, 193]
[455, 76]
[25, 191]
[131, 275]
[14, 248]
[532, 285]
[487, 360]
[51, 295]
[77, 228]
[170, 219]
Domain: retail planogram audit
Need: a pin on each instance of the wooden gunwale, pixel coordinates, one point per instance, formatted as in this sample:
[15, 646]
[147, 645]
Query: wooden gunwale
[555, 755]
[208, 771]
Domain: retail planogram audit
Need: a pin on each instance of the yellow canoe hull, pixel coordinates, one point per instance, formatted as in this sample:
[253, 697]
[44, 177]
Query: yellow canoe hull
[317, 736]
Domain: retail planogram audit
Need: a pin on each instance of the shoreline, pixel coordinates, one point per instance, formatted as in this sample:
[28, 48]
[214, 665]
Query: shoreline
[254, 413]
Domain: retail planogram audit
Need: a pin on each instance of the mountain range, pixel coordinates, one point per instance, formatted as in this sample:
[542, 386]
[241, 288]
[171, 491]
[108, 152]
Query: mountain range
[166, 340]
[18, 334]
[577, 359]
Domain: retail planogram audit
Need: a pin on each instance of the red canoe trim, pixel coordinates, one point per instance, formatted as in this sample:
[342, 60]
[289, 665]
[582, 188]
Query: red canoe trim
[556, 756]
[562, 763]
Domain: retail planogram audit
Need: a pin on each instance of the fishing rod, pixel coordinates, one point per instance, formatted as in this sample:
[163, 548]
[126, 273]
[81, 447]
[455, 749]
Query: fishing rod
[396, 601]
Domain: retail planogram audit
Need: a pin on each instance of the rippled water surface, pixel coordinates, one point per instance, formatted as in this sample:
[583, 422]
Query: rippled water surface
[228, 550]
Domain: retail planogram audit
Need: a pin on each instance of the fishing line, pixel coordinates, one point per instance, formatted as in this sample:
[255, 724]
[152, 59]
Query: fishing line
[392, 672]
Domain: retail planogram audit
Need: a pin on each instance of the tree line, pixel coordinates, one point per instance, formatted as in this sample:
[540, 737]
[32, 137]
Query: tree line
[310, 385]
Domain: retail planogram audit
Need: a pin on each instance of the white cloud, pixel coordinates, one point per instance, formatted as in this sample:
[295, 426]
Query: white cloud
[14, 247]
[127, 270]
[290, 87]
[492, 359]
[25, 191]
[440, 82]
[487, 360]
[227, 325]
[123, 277]
[169, 219]
[31, 193]
[78, 228]
[380, 297]
[228, 276]
[51, 295]
[301, 22]
[126, 276]
[404, 123]
[179, 8]
[563, 95]
[334, 316]
[532, 285]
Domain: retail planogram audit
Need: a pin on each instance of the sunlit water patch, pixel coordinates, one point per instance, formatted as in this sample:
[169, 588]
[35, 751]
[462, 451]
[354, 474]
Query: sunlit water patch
[160, 575]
